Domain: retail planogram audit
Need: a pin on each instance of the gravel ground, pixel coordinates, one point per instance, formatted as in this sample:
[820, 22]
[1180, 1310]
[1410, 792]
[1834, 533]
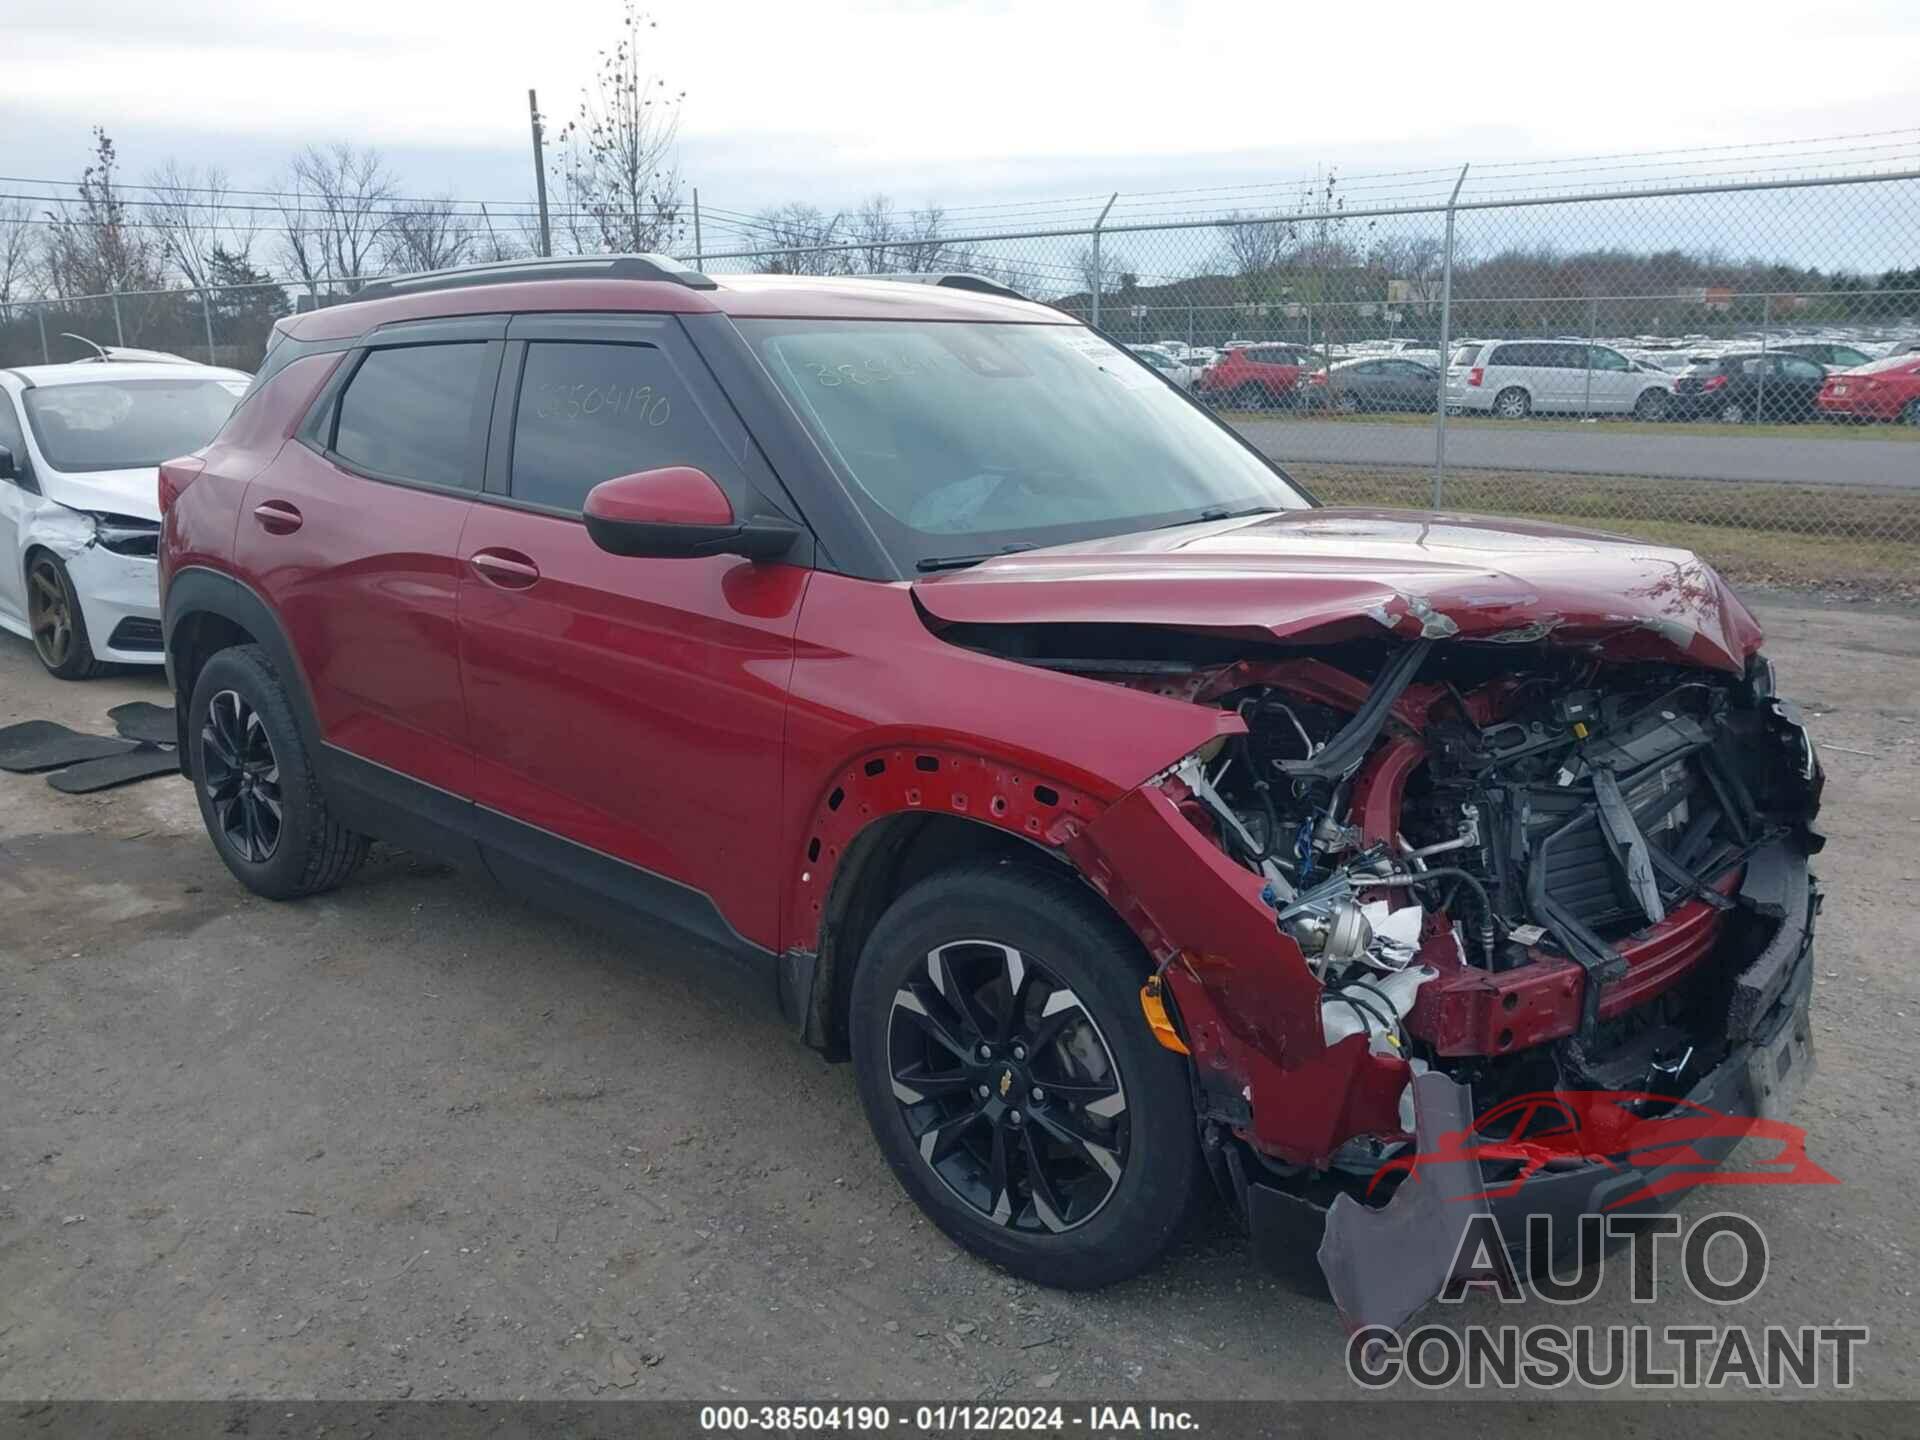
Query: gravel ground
[414, 1139]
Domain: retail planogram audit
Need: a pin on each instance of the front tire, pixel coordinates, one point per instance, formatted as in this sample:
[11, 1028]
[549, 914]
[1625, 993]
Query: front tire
[1733, 413]
[59, 626]
[259, 796]
[1911, 415]
[1651, 406]
[1011, 1081]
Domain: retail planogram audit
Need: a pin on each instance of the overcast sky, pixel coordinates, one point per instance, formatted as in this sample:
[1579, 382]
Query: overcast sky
[959, 103]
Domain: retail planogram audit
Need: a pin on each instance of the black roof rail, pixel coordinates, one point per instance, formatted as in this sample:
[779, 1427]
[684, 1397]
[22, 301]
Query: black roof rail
[954, 280]
[554, 267]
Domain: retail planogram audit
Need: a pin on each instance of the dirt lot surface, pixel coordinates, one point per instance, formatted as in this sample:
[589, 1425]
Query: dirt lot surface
[414, 1139]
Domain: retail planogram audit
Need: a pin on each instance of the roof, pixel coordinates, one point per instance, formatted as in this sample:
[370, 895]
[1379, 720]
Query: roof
[83, 372]
[741, 296]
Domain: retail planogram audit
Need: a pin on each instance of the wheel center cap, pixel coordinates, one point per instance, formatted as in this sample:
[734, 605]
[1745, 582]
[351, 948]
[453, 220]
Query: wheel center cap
[1006, 1082]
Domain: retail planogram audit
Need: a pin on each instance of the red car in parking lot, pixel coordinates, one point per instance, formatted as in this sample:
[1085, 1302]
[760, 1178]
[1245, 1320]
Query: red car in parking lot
[1887, 389]
[1253, 377]
[923, 666]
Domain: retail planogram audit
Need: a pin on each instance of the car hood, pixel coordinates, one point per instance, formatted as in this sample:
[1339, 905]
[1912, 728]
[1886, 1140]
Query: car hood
[133, 492]
[1327, 575]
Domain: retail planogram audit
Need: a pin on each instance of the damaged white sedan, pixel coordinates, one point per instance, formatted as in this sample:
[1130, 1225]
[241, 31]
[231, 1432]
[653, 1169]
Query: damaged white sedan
[80, 446]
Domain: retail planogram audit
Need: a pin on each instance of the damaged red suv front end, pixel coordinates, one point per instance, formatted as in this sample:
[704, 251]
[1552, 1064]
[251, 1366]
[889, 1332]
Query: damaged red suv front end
[1502, 808]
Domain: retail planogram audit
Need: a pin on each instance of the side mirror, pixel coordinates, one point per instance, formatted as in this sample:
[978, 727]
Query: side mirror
[677, 512]
[8, 470]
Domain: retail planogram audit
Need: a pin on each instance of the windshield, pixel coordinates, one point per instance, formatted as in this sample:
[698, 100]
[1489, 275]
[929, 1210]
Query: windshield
[127, 424]
[972, 438]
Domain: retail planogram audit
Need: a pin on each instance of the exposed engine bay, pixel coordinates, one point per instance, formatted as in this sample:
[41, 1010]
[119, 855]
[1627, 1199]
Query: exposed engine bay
[1518, 865]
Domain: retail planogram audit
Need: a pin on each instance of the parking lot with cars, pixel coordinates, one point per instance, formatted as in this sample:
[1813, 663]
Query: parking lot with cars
[416, 1138]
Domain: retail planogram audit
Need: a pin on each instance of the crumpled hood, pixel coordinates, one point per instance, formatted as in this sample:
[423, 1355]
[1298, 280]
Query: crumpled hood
[1345, 574]
[133, 492]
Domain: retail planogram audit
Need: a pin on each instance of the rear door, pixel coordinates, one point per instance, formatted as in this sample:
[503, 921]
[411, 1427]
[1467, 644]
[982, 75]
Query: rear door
[626, 713]
[1794, 382]
[351, 537]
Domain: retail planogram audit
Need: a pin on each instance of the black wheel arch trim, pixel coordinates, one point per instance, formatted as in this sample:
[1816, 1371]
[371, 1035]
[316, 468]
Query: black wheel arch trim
[197, 590]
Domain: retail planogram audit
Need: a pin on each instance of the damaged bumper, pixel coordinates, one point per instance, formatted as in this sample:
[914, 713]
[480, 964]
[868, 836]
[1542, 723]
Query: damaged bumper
[1381, 1265]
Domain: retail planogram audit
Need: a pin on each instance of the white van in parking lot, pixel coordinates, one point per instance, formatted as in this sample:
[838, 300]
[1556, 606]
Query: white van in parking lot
[1516, 378]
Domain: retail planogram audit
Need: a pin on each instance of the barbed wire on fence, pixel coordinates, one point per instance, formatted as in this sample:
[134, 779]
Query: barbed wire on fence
[1650, 358]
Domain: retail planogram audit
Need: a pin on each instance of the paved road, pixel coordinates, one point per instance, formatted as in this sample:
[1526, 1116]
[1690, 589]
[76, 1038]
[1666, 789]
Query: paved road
[1599, 449]
[415, 1138]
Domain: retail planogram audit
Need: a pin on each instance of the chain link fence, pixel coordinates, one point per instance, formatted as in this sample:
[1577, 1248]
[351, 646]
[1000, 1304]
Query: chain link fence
[1711, 366]
[1662, 362]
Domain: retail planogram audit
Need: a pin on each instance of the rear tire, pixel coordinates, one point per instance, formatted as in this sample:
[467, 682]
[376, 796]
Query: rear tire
[1513, 403]
[1911, 415]
[259, 796]
[1078, 1164]
[58, 624]
[1247, 397]
[1733, 413]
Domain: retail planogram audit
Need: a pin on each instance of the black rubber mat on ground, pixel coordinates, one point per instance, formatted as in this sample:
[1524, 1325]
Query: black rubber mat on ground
[137, 764]
[143, 720]
[43, 745]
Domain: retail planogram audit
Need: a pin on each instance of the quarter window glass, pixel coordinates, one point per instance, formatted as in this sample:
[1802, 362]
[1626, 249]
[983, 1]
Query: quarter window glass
[413, 413]
[1605, 359]
[589, 412]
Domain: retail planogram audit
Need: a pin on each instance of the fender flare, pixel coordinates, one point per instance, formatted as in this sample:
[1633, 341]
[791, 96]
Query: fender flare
[196, 590]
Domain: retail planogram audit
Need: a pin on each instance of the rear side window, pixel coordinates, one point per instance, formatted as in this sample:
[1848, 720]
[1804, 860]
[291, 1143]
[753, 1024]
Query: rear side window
[415, 412]
[589, 411]
[1466, 354]
[1516, 355]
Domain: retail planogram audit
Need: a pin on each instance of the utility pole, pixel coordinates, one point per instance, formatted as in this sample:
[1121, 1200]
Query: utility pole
[1446, 341]
[697, 258]
[539, 174]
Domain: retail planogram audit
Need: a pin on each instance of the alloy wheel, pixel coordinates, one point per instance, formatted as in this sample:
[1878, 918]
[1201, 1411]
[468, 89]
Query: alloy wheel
[49, 611]
[241, 777]
[1733, 413]
[1007, 1087]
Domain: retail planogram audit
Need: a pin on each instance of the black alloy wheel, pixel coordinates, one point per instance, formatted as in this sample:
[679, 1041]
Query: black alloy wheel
[1007, 1087]
[241, 777]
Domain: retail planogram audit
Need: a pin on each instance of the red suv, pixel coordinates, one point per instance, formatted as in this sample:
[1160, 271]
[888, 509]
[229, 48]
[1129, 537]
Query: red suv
[927, 666]
[1252, 377]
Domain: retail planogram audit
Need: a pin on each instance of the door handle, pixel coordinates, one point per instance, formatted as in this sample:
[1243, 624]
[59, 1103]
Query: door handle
[507, 569]
[277, 517]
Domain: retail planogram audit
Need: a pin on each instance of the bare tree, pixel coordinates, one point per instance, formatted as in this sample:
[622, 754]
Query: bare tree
[617, 175]
[1256, 248]
[429, 235]
[1415, 261]
[888, 242]
[792, 237]
[92, 245]
[335, 212]
[16, 254]
[194, 216]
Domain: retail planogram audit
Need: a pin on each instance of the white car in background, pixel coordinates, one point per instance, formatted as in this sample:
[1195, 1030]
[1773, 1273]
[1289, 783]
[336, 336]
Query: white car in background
[1516, 378]
[80, 450]
[1178, 371]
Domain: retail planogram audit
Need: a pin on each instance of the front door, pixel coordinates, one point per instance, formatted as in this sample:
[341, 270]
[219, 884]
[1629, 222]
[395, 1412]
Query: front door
[16, 501]
[633, 707]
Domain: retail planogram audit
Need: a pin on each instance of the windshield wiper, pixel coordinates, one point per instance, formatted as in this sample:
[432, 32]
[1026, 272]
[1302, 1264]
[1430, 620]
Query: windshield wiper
[961, 562]
[1219, 512]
